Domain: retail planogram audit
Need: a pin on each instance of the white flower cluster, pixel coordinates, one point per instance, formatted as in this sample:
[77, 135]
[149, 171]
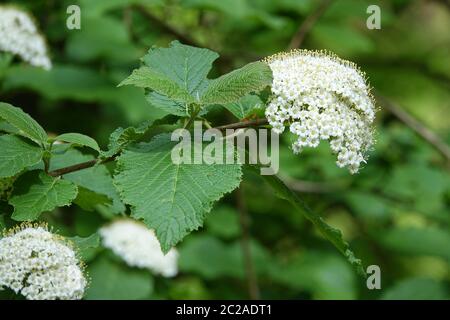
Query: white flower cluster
[19, 35]
[40, 265]
[139, 247]
[322, 97]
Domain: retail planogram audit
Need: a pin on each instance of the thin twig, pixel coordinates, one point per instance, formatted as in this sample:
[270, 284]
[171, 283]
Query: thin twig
[244, 124]
[225, 62]
[79, 166]
[307, 24]
[127, 17]
[417, 126]
[252, 281]
[165, 27]
[91, 163]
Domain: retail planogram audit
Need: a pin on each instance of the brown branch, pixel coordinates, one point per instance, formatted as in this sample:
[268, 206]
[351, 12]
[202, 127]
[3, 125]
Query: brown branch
[252, 281]
[416, 125]
[244, 124]
[307, 24]
[79, 166]
[165, 27]
[225, 62]
[93, 162]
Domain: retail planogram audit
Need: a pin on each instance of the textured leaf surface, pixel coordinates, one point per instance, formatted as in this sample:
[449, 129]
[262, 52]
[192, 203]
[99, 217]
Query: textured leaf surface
[331, 234]
[246, 106]
[36, 192]
[16, 154]
[145, 77]
[5, 127]
[79, 139]
[121, 137]
[232, 86]
[26, 125]
[187, 66]
[171, 198]
[162, 102]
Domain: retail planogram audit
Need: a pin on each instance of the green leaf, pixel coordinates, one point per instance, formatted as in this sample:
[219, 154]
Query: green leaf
[189, 288]
[367, 205]
[321, 273]
[96, 179]
[245, 107]
[87, 247]
[26, 125]
[420, 185]
[63, 82]
[90, 200]
[187, 66]
[79, 139]
[7, 128]
[102, 37]
[171, 198]
[232, 86]
[5, 61]
[224, 222]
[175, 74]
[162, 102]
[121, 137]
[112, 280]
[224, 259]
[36, 192]
[430, 241]
[331, 234]
[16, 154]
[417, 289]
[93, 241]
[145, 77]
[342, 39]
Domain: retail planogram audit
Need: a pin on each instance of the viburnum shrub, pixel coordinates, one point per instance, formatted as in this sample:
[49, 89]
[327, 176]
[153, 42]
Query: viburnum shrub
[317, 96]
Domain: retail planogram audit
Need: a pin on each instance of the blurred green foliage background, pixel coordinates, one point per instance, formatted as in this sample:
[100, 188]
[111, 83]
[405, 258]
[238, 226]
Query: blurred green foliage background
[394, 213]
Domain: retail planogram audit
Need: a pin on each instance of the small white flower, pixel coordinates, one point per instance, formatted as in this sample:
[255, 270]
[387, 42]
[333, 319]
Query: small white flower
[40, 265]
[322, 97]
[19, 36]
[138, 247]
